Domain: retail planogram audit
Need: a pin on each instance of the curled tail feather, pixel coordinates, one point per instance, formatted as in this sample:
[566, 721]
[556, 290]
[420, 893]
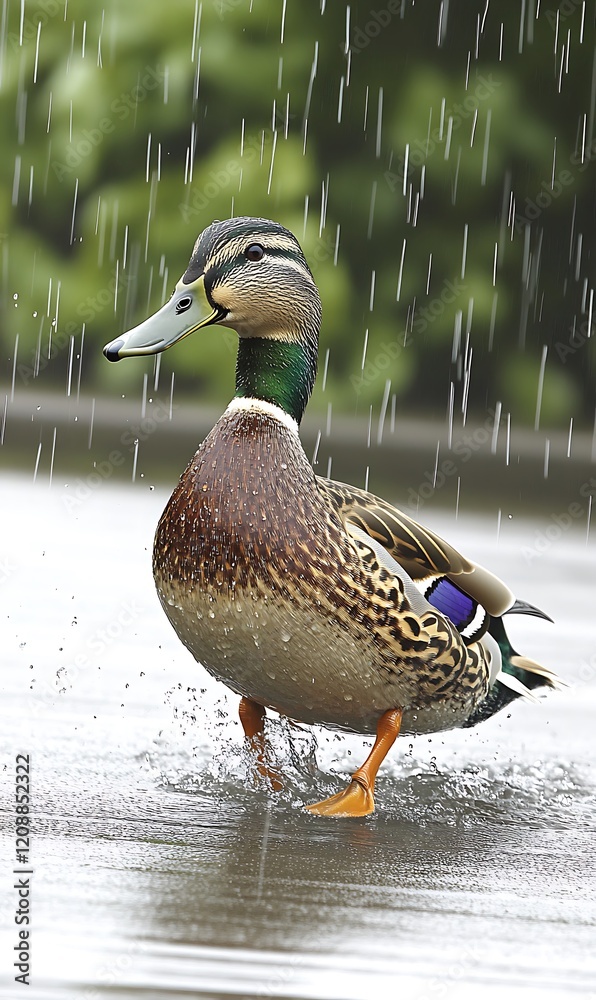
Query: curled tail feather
[518, 678]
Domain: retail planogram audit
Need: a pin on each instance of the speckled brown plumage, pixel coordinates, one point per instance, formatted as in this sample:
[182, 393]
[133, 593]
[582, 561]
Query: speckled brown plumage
[250, 525]
[310, 597]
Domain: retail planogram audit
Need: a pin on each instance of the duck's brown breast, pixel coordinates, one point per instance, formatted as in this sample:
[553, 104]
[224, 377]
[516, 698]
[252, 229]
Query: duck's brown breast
[248, 552]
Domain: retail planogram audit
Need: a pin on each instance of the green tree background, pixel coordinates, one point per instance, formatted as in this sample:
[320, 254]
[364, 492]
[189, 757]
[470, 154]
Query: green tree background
[435, 159]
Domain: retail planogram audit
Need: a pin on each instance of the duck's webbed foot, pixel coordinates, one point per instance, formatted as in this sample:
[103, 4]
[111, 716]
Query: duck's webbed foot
[252, 717]
[358, 799]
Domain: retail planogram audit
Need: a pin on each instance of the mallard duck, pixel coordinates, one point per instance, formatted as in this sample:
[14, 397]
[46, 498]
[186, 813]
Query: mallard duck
[306, 596]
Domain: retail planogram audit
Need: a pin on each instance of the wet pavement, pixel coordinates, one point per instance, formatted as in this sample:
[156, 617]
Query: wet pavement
[159, 870]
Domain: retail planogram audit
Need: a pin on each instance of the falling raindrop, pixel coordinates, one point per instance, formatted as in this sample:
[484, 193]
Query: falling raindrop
[196, 29]
[371, 300]
[171, 409]
[464, 252]
[91, 423]
[38, 456]
[36, 64]
[71, 342]
[448, 137]
[401, 270]
[492, 322]
[383, 412]
[340, 99]
[14, 366]
[3, 427]
[16, 180]
[379, 123]
[347, 41]
[144, 397]
[569, 438]
[273, 149]
[135, 459]
[540, 387]
[546, 457]
[52, 457]
[313, 73]
[436, 464]
[364, 349]
[496, 426]
[450, 408]
[80, 362]
[315, 457]
[485, 151]
[325, 370]
[148, 158]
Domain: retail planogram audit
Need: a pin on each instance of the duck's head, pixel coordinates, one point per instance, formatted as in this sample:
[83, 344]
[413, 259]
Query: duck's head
[250, 275]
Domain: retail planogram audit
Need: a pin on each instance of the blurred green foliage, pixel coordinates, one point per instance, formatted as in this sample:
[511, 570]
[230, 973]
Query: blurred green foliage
[440, 175]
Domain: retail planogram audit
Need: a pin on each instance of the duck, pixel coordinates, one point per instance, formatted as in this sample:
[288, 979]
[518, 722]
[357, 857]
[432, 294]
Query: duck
[307, 597]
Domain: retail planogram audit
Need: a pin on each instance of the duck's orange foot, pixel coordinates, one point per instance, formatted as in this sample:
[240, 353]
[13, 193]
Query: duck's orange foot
[355, 800]
[271, 775]
[252, 717]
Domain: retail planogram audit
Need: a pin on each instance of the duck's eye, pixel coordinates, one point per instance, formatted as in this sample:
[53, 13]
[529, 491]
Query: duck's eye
[254, 252]
[183, 304]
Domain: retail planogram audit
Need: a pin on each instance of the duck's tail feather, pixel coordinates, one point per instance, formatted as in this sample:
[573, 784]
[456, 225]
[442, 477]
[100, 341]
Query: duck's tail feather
[518, 678]
[513, 683]
[542, 676]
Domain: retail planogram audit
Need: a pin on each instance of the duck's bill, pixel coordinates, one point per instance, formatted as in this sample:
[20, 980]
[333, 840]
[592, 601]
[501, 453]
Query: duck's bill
[188, 310]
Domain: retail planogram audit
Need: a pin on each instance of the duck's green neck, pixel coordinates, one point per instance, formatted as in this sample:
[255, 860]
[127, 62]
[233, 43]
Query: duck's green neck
[279, 372]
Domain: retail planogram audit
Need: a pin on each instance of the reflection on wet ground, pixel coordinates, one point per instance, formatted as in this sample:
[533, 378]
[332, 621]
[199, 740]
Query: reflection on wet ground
[160, 870]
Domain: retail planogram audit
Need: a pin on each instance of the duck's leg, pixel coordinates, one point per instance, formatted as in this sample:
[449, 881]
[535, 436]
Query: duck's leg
[252, 717]
[357, 799]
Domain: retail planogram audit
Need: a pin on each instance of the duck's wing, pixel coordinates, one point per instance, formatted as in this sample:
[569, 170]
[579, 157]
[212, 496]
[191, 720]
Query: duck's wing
[473, 599]
[428, 559]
